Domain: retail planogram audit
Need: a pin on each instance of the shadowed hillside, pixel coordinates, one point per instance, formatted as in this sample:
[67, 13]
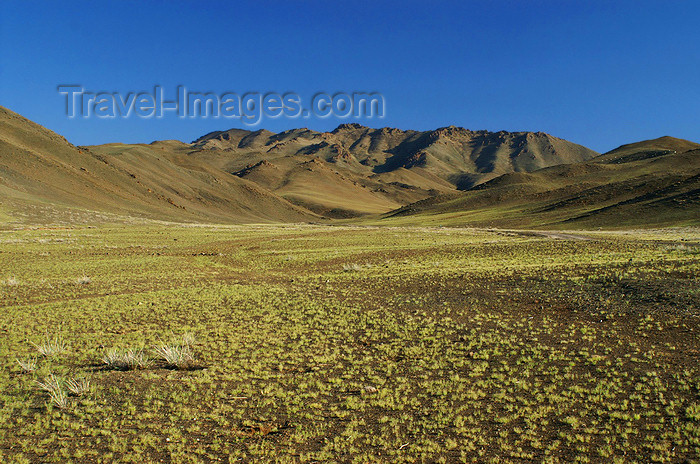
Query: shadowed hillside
[357, 170]
[654, 182]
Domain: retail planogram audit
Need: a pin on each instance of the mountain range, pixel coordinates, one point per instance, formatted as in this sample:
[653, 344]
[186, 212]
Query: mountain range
[450, 175]
[645, 184]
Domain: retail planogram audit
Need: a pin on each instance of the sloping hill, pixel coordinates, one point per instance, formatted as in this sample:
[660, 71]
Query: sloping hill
[361, 170]
[643, 184]
[252, 176]
[40, 168]
[648, 149]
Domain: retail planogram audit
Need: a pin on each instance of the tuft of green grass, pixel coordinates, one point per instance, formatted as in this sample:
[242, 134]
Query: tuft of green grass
[175, 356]
[57, 395]
[189, 339]
[693, 412]
[28, 365]
[49, 346]
[126, 360]
[78, 385]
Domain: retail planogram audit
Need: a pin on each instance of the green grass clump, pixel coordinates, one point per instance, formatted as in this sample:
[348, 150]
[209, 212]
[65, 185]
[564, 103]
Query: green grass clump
[57, 394]
[124, 360]
[175, 356]
[28, 365]
[51, 346]
[78, 385]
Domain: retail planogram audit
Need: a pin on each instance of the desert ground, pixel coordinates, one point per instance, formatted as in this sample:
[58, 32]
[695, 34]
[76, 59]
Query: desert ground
[162, 342]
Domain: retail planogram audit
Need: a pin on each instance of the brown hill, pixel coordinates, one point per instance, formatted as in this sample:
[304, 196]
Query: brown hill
[252, 176]
[652, 148]
[41, 171]
[364, 170]
[648, 183]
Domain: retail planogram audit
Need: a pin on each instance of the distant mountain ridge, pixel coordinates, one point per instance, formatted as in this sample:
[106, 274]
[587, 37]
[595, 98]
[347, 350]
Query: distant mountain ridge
[459, 150]
[382, 168]
[449, 175]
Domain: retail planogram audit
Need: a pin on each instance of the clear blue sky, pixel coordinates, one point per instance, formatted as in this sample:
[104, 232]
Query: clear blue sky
[599, 73]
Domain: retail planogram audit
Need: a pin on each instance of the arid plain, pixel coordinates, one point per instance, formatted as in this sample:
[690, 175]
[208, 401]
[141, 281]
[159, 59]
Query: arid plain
[362, 295]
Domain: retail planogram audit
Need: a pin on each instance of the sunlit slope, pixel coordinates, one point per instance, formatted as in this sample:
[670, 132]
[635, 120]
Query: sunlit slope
[359, 170]
[207, 193]
[643, 184]
[39, 168]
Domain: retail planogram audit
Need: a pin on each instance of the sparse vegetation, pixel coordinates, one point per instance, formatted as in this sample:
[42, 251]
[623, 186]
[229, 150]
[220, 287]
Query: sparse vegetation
[685, 248]
[455, 346]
